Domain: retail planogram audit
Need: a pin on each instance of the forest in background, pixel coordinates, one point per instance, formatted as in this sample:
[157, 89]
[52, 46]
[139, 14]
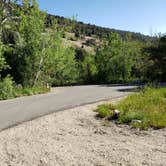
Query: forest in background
[33, 53]
[82, 29]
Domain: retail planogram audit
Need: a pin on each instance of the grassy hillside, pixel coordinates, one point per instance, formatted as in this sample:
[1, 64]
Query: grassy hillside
[83, 29]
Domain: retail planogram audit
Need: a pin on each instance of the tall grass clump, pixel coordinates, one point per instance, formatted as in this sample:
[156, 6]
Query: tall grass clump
[148, 106]
[9, 90]
[146, 109]
[6, 88]
[105, 111]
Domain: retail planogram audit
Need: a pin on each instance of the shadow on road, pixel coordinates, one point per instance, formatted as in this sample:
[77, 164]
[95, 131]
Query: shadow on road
[137, 89]
[122, 85]
[114, 85]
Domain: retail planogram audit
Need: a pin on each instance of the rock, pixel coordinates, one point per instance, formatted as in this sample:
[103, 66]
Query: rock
[116, 114]
[47, 86]
[136, 121]
[100, 132]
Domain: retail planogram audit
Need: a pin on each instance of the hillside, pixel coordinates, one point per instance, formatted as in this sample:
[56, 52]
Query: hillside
[83, 29]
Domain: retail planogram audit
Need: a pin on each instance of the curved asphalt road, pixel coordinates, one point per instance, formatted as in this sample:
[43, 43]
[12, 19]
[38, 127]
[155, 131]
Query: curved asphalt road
[15, 111]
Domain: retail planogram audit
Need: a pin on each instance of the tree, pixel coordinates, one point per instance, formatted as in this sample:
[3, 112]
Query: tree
[58, 64]
[86, 66]
[156, 56]
[3, 22]
[3, 64]
[25, 50]
[114, 60]
[37, 55]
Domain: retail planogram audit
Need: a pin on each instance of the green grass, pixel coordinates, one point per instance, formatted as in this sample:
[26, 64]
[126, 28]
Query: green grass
[147, 106]
[25, 91]
[8, 90]
[105, 110]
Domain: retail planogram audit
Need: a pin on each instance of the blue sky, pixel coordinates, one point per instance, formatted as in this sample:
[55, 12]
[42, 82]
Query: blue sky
[145, 16]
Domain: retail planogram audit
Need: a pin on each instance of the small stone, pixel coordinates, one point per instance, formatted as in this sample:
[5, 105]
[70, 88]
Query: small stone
[136, 121]
[100, 132]
[116, 114]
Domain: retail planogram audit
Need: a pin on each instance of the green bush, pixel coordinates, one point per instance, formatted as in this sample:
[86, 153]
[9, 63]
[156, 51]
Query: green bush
[105, 111]
[149, 106]
[28, 91]
[6, 88]
[143, 110]
[127, 118]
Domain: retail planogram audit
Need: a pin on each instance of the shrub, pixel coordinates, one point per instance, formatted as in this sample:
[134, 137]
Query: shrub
[127, 118]
[6, 88]
[149, 106]
[27, 91]
[105, 111]
[141, 110]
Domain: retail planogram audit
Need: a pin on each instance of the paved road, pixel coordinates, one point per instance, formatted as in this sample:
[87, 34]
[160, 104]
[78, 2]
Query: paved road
[15, 111]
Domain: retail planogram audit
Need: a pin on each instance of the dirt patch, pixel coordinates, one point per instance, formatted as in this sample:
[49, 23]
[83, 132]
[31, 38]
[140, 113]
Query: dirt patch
[76, 137]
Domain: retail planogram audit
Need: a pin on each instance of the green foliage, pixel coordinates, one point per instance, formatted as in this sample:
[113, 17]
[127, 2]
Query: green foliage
[142, 110]
[27, 91]
[21, 33]
[149, 106]
[86, 66]
[82, 29]
[32, 52]
[155, 60]
[2, 58]
[131, 116]
[65, 71]
[115, 60]
[31, 29]
[59, 65]
[40, 57]
[9, 90]
[6, 88]
[105, 111]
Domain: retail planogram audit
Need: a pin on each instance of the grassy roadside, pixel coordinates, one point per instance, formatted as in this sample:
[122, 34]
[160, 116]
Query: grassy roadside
[146, 109]
[23, 91]
[9, 90]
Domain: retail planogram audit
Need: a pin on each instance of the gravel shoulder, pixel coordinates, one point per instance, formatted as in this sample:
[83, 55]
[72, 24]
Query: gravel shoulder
[76, 137]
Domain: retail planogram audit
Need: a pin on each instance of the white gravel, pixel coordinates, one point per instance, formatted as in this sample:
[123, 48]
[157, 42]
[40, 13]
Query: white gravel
[76, 137]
